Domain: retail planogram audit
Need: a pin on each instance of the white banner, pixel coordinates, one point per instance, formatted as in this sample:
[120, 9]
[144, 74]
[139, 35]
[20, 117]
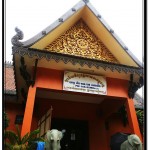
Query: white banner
[86, 83]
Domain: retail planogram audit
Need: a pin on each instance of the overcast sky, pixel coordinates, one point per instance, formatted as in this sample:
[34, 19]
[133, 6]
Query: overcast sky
[32, 16]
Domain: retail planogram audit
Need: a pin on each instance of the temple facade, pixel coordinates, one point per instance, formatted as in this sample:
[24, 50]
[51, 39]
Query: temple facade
[76, 75]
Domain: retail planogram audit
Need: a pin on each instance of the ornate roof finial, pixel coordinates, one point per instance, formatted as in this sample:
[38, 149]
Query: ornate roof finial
[19, 36]
[86, 1]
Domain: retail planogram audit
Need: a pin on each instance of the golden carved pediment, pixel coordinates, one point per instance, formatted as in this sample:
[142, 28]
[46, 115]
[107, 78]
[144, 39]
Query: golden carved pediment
[80, 41]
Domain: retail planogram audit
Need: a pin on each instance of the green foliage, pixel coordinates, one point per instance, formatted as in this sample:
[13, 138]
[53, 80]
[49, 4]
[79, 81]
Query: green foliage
[140, 116]
[14, 141]
[6, 120]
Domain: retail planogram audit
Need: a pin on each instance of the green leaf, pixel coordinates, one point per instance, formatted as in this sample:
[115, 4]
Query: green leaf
[8, 146]
[25, 138]
[28, 138]
[11, 136]
[33, 134]
[19, 134]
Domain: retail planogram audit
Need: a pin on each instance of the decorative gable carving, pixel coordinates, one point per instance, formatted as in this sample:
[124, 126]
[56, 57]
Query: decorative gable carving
[80, 41]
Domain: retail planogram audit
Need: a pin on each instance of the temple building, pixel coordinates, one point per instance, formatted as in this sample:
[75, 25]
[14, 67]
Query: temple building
[75, 75]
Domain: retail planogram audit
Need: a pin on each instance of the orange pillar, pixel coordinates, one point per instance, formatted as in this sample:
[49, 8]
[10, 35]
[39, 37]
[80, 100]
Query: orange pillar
[132, 118]
[28, 111]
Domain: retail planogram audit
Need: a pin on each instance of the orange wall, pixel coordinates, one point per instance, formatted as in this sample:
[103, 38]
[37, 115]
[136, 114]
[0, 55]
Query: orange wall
[117, 87]
[53, 79]
[98, 135]
[13, 109]
[48, 78]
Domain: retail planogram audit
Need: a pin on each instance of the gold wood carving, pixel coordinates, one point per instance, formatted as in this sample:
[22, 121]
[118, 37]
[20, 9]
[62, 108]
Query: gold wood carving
[79, 40]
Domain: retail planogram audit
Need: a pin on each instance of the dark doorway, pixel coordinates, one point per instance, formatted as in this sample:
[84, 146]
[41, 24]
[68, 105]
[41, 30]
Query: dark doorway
[76, 136]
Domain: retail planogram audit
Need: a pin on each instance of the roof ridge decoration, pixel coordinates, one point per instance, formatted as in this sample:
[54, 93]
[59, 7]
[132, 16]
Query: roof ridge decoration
[19, 36]
[80, 41]
[86, 1]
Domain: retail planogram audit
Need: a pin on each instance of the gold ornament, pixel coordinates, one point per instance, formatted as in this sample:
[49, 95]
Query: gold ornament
[80, 41]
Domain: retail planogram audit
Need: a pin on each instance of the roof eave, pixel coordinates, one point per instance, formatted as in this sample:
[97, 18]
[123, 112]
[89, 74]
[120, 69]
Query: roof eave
[31, 52]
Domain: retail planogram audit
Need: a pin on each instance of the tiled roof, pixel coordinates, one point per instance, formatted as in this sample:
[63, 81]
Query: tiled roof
[9, 79]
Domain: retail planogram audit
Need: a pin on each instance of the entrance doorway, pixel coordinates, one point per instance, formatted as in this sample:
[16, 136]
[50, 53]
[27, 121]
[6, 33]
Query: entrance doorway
[76, 136]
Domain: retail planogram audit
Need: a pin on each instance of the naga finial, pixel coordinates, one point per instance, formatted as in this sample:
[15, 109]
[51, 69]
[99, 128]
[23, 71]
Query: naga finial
[19, 36]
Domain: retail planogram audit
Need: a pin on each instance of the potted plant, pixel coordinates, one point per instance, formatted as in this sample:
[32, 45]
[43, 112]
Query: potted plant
[14, 141]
